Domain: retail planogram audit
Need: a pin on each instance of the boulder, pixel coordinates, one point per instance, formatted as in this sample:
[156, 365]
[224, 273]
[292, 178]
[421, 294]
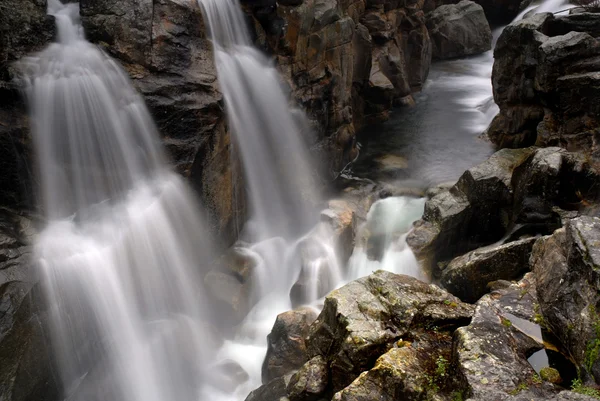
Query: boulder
[491, 353]
[474, 212]
[566, 267]
[467, 276]
[26, 367]
[310, 382]
[546, 81]
[362, 320]
[459, 30]
[287, 350]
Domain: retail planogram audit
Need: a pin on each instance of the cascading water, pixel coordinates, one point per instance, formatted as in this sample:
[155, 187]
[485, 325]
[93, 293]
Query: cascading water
[120, 255]
[296, 260]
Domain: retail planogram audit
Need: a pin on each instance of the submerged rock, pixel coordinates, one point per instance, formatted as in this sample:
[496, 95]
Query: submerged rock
[459, 30]
[287, 350]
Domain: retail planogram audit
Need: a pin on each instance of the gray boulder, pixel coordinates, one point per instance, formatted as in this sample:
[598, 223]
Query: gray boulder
[362, 320]
[459, 30]
[566, 266]
[468, 276]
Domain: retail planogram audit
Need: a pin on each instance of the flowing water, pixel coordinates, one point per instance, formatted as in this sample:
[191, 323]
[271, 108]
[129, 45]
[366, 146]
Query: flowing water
[297, 263]
[120, 257]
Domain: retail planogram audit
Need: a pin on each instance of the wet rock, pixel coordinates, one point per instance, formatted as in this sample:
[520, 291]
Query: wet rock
[546, 81]
[24, 28]
[474, 212]
[404, 373]
[164, 48]
[467, 276]
[459, 30]
[275, 390]
[502, 11]
[310, 382]
[491, 353]
[287, 350]
[342, 219]
[26, 370]
[566, 267]
[230, 296]
[363, 319]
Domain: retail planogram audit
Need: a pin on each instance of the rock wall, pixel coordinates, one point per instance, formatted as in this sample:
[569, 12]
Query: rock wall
[546, 80]
[347, 62]
[164, 47]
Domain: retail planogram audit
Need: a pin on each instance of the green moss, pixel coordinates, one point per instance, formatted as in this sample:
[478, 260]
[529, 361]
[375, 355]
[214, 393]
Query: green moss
[518, 389]
[506, 322]
[457, 396]
[592, 350]
[536, 379]
[451, 304]
[539, 319]
[578, 387]
[551, 375]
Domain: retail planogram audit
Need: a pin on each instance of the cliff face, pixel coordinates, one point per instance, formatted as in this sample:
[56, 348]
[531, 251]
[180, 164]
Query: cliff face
[346, 62]
[164, 47]
[546, 80]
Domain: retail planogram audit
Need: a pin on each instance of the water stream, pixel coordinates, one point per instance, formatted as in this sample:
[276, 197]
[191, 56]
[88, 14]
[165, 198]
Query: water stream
[124, 251]
[121, 255]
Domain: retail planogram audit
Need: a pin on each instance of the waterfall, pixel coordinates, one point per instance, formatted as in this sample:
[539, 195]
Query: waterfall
[121, 255]
[297, 261]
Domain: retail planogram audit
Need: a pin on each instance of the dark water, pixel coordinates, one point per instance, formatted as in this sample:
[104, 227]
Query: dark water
[440, 137]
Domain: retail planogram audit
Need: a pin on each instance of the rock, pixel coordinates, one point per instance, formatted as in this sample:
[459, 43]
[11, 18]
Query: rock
[341, 217]
[24, 28]
[363, 319]
[467, 276]
[310, 382]
[405, 373]
[275, 390]
[459, 30]
[546, 81]
[287, 349]
[566, 268]
[231, 297]
[551, 375]
[163, 46]
[490, 353]
[474, 212]
[26, 369]
[500, 12]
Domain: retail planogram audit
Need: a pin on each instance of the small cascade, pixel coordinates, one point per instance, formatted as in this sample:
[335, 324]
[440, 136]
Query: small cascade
[381, 241]
[121, 255]
[296, 261]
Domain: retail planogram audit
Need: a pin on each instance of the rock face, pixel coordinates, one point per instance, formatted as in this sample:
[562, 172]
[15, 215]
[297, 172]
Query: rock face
[25, 365]
[24, 28]
[163, 46]
[347, 61]
[459, 30]
[546, 79]
[566, 268]
[515, 194]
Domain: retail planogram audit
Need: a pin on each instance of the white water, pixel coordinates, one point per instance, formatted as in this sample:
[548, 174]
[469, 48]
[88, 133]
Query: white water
[297, 262]
[120, 257]
[381, 241]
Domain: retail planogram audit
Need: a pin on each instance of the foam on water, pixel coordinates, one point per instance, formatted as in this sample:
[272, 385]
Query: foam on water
[122, 251]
